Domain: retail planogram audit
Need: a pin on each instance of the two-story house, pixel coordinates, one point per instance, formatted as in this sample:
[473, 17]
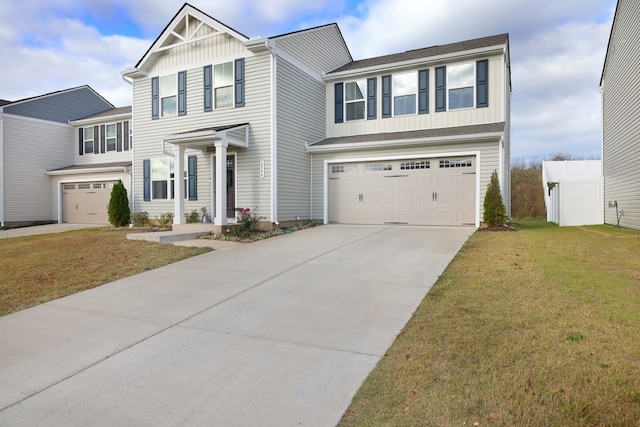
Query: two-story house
[620, 90]
[292, 127]
[36, 136]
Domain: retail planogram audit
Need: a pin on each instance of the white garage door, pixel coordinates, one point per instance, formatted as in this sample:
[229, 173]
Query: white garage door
[426, 191]
[86, 202]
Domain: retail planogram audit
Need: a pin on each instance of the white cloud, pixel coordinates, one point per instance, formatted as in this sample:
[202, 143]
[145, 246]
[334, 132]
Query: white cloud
[557, 48]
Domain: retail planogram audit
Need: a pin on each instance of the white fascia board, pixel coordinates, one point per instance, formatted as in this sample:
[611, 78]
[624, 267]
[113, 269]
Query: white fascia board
[273, 47]
[133, 73]
[87, 171]
[103, 119]
[404, 142]
[428, 60]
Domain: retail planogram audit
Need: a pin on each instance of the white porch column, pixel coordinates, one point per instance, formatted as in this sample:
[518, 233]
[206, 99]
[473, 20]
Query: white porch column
[178, 185]
[221, 182]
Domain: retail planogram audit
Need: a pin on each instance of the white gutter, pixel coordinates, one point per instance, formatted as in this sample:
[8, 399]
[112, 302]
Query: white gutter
[115, 117]
[404, 142]
[418, 61]
[124, 169]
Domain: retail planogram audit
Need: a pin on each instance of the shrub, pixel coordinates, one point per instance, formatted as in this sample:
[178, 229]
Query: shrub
[495, 214]
[140, 219]
[165, 219]
[119, 213]
[192, 217]
[247, 220]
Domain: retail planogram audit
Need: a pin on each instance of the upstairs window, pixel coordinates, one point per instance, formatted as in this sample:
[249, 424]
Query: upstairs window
[88, 140]
[405, 90]
[223, 85]
[111, 137]
[461, 79]
[354, 99]
[168, 95]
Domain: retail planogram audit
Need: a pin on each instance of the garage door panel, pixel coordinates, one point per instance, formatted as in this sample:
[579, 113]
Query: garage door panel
[421, 192]
[86, 203]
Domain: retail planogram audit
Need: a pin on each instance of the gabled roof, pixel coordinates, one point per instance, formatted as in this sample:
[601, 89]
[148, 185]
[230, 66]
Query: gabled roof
[181, 30]
[58, 92]
[427, 52]
[4, 102]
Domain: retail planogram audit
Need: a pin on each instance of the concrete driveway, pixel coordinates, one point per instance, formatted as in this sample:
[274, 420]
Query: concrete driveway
[280, 332]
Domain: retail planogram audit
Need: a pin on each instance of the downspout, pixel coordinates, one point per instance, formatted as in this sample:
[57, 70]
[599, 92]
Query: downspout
[1, 170]
[132, 184]
[274, 136]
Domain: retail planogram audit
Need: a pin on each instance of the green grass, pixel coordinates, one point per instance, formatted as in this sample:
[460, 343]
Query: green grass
[37, 269]
[539, 327]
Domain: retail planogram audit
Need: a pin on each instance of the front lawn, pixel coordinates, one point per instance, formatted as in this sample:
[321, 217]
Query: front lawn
[539, 327]
[37, 269]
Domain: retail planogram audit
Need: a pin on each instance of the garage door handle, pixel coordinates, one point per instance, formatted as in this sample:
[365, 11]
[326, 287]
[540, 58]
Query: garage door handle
[434, 197]
[395, 176]
[360, 197]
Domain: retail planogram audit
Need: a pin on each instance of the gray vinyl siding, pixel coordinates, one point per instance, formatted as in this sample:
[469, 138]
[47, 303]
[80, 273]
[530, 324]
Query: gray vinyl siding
[300, 101]
[251, 190]
[621, 118]
[101, 158]
[489, 161]
[321, 49]
[31, 147]
[62, 106]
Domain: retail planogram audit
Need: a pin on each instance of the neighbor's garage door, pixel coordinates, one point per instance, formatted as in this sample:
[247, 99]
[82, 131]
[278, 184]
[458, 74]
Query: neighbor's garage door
[86, 202]
[418, 191]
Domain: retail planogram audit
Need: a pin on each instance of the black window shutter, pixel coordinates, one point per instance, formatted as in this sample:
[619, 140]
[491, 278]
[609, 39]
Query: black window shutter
[239, 82]
[81, 141]
[441, 89]
[103, 142]
[125, 134]
[192, 165]
[146, 180]
[119, 136]
[482, 83]
[155, 98]
[182, 93]
[372, 93]
[96, 140]
[423, 91]
[208, 89]
[339, 97]
[386, 96]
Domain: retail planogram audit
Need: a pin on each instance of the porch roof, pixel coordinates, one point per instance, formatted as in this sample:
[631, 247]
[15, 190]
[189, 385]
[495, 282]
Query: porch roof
[206, 137]
[91, 168]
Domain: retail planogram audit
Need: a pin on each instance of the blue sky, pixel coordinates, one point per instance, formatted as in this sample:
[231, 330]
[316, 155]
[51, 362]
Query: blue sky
[557, 48]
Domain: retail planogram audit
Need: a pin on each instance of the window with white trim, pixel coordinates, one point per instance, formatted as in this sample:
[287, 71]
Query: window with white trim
[162, 177]
[405, 90]
[355, 94]
[110, 137]
[87, 138]
[169, 95]
[461, 83]
[223, 85]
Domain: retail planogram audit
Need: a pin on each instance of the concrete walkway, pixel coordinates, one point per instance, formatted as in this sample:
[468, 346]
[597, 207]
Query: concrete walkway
[280, 332]
[44, 229]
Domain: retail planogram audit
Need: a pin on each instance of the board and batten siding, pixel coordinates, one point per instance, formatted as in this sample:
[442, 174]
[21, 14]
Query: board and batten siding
[489, 160]
[251, 190]
[300, 101]
[32, 146]
[621, 118]
[450, 118]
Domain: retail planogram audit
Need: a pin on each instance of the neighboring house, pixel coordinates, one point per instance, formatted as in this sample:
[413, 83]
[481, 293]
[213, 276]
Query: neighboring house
[102, 157]
[573, 191]
[35, 136]
[293, 128]
[620, 89]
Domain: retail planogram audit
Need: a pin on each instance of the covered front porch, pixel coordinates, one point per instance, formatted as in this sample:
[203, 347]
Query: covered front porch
[215, 141]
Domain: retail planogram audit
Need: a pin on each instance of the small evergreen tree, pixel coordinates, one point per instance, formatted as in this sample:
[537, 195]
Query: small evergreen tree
[495, 213]
[119, 213]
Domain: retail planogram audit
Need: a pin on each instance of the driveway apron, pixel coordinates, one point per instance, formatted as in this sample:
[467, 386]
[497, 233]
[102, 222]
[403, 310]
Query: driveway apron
[280, 332]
